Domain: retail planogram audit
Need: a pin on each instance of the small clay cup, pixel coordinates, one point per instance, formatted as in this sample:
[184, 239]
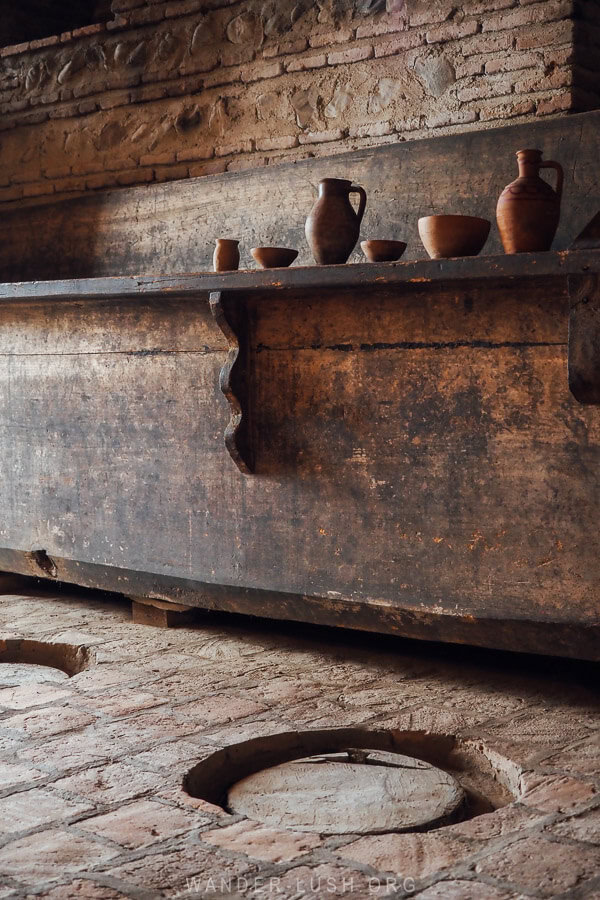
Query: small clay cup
[226, 257]
[447, 236]
[274, 257]
[383, 251]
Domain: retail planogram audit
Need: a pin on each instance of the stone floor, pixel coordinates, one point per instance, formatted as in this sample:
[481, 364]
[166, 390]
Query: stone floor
[91, 803]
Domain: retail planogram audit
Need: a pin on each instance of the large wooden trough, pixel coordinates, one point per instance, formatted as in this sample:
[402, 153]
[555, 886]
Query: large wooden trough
[407, 448]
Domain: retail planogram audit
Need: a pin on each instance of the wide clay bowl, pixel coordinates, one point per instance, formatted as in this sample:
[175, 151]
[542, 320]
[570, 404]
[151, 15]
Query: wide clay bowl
[274, 257]
[447, 236]
[383, 251]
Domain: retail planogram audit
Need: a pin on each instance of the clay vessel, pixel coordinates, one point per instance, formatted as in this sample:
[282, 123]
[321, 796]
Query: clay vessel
[274, 257]
[447, 236]
[226, 257]
[333, 226]
[529, 209]
[382, 251]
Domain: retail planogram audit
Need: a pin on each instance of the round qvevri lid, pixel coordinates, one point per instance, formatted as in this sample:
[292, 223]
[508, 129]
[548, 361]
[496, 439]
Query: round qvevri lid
[352, 792]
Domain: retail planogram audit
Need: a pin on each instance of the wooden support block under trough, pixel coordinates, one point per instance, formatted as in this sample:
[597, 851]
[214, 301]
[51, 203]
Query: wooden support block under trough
[161, 614]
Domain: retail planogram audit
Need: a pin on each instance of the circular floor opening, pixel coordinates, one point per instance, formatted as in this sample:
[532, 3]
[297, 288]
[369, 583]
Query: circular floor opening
[354, 781]
[23, 661]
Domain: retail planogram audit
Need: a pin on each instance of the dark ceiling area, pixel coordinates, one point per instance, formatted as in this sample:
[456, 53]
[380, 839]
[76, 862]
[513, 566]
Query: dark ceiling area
[30, 20]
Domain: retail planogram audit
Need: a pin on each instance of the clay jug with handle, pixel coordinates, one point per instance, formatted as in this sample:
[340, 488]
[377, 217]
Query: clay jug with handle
[529, 209]
[333, 226]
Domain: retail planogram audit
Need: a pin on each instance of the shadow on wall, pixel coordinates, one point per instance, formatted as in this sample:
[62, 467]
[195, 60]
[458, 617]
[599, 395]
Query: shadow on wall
[170, 228]
[30, 20]
[586, 56]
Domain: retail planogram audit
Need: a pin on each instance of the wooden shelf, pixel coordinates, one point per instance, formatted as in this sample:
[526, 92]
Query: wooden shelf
[580, 270]
[371, 276]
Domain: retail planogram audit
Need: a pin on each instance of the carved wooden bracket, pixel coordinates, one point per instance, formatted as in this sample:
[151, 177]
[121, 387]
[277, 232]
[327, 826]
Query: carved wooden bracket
[584, 338]
[232, 319]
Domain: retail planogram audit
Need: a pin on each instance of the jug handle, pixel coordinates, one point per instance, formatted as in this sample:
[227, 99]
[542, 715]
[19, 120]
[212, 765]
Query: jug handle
[559, 174]
[357, 189]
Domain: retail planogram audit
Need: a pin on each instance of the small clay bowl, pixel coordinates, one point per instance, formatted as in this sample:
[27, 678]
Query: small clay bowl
[383, 251]
[447, 236]
[274, 257]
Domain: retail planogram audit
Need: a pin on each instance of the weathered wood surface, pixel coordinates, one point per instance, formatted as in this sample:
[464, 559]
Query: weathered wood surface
[421, 467]
[161, 614]
[171, 227]
[235, 378]
[230, 310]
[367, 277]
[584, 338]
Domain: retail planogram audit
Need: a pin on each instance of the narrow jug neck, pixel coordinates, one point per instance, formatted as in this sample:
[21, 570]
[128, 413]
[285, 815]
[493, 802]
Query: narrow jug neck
[529, 163]
[339, 186]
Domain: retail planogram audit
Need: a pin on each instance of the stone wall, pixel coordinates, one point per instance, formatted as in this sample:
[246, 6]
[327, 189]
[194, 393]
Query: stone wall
[177, 88]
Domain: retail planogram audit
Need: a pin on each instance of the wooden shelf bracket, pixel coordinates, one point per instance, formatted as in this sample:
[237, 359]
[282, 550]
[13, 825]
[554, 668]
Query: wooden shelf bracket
[232, 320]
[584, 338]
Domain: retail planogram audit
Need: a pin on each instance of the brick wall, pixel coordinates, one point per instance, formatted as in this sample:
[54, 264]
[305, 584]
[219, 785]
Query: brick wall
[191, 87]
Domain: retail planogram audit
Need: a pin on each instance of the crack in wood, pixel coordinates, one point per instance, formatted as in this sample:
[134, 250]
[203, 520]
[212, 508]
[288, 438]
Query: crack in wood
[414, 345]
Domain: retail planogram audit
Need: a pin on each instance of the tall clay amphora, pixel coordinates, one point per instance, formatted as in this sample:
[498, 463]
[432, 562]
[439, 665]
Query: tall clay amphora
[333, 226]
[528, 209]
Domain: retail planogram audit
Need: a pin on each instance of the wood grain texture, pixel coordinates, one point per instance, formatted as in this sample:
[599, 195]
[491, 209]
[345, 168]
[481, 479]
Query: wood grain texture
[159, 614]
[170, 228]
[235, 378]
[368, 277]
[421, 466]
[584, 338]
